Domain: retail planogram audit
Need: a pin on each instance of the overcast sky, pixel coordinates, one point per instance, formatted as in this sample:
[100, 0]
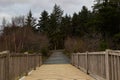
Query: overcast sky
[11, 8]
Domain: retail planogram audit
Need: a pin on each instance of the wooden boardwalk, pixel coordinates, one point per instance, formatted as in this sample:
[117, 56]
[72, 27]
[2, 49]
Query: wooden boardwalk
[58, 72]
[57, 67]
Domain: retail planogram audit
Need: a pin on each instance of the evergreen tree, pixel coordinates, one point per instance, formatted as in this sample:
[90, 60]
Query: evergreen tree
[55, 24]
[43, 22]
[66, 26]
[80, 21]
[30, 21]
[108, 18]
[84, 17]
[75, 25]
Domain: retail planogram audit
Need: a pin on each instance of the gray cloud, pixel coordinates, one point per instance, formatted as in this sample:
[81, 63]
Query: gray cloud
[9, 8]
[9, 2]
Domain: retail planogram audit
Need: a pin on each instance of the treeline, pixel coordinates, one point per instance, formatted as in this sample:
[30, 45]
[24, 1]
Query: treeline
[21, 35]
[86, 30]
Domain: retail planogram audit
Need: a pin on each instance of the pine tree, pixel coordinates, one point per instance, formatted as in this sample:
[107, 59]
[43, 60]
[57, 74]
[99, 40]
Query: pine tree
[76, 25]
[30, 21]
[43, 22]
[55, 24]
[66, 26]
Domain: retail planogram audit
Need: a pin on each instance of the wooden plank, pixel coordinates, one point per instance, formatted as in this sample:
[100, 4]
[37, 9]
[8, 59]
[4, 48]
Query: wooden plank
[77, 61]
[27, 69]
[61, 71]
[2, 55]
[115, 67]
[99, 63]
[96, 76]
[34, 62]
[115, 54]
[87, 65]
[118, 68]
[96, 53]
[107, 65]
[112, 67]
[7, 73]
[2, 68]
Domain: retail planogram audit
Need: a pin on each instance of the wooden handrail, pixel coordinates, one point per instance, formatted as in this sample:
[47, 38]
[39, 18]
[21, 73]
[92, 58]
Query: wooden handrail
[14, 66]
[103, 65]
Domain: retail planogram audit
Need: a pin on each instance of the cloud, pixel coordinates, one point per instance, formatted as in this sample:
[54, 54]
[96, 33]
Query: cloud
[71, 6]
[9, 8]
[5, 15]
[11, 2]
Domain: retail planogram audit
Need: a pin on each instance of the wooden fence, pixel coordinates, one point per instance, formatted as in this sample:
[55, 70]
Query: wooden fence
[101, 65]
[14, 66]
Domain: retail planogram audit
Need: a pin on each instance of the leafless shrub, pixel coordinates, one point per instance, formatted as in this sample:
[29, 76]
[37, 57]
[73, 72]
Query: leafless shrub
[74, 45]
[17, 39]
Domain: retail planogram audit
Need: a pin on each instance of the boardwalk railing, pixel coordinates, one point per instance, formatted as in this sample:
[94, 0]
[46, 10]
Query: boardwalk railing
[101, 65]
[14, 66]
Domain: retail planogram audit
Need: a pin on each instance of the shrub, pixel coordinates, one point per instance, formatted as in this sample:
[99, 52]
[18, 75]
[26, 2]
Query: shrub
[74, 45]
[44, 51]
[103, 46]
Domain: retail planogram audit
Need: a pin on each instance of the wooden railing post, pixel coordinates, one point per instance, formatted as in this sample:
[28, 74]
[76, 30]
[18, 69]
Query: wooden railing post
[107, 65]
[72, 59]
[87, 64]
[26, 73]
[40, 59]
[35, 61]
[7, 63]
[78, 60]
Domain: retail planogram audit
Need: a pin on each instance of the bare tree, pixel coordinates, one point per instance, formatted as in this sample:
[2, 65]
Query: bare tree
[18, 21]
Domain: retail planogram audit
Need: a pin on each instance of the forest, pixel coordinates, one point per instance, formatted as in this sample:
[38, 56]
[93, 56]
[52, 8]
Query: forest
[86, 30]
